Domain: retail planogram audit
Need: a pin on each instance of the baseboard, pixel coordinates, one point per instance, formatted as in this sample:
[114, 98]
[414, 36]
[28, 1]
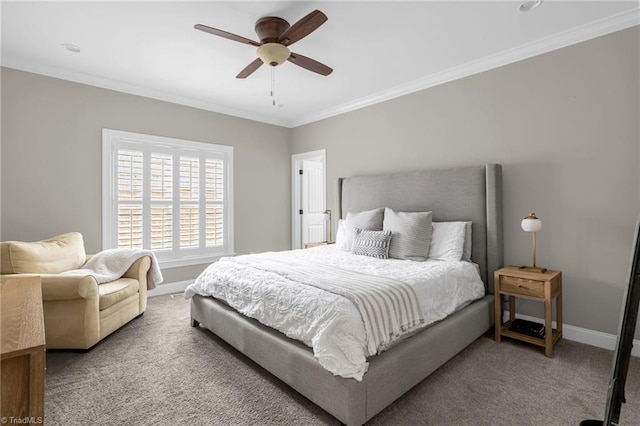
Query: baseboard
[169, 288]
[584, 335]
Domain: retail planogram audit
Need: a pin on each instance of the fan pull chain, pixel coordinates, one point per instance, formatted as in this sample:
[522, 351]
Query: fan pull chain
[273, 86]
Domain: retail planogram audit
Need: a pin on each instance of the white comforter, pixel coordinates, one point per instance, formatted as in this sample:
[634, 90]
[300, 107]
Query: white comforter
[327, 322]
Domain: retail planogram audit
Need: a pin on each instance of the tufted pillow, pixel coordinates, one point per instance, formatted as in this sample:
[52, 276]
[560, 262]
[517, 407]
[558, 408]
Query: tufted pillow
[371, 243]
[52, 256]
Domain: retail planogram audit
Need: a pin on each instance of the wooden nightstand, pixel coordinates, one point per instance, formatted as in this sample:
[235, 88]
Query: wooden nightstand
[319, 243]
[542, 286]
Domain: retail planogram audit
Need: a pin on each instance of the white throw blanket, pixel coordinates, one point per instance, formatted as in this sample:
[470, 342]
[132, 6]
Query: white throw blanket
[389, 308]
[109, 265]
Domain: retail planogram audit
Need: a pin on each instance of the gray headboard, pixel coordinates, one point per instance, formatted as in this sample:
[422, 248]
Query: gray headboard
[465, 193]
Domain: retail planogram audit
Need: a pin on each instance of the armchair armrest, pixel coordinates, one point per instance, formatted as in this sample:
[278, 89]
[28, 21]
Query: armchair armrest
[62, 287]
[65, 287]
[139, 270]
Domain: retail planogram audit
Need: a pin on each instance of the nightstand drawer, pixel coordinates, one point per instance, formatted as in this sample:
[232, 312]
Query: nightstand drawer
[521, 286]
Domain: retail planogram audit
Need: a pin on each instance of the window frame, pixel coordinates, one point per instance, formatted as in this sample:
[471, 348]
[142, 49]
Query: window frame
[113, 140]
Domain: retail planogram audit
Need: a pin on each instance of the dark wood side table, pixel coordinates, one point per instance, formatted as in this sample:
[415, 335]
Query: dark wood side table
[546, 286]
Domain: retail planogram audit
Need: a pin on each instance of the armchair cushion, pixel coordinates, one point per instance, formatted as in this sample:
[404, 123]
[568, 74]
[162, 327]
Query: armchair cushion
[116, 291]
[52, 256]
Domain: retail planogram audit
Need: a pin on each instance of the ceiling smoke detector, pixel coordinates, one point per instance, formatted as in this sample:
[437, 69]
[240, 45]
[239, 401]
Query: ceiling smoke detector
[529, 5]
[71, 47]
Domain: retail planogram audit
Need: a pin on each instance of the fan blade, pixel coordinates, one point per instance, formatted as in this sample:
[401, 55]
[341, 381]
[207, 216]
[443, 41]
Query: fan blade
[303, 28]
[225, 34]
[249, 69]
[309, 64]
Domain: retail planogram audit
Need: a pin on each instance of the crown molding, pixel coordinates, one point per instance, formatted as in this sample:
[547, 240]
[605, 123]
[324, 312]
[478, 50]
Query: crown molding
[119, 86]
[576, 35]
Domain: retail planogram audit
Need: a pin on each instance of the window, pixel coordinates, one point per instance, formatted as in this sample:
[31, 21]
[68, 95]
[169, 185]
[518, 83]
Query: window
[168, 195]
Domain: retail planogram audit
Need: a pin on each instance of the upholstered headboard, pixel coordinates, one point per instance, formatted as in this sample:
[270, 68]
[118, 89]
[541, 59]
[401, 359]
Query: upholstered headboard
[465, 193]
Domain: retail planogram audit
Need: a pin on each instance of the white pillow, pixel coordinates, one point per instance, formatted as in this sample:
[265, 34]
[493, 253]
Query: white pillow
[447, 241]
[341, 235]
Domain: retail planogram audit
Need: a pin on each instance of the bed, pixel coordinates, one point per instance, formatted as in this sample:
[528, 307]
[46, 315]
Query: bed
[455, 194]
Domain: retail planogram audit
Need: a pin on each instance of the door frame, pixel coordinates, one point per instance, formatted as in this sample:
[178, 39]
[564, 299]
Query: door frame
[296, 188]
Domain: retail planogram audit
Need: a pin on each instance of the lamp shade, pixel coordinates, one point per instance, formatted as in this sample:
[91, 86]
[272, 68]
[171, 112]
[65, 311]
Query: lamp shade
[326, 216]
[531, 223]
[273, 54]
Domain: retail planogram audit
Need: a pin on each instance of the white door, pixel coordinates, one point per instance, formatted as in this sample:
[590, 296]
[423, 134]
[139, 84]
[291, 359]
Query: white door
[312, 206]
[308, 198]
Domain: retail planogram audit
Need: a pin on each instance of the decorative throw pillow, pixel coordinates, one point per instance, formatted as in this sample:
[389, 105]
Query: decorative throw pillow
[411, 234]
[447, 242]
[52, 256]
[369, 220]
[371, 243]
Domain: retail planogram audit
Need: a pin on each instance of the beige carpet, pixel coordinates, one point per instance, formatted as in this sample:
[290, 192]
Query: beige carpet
[158, 370]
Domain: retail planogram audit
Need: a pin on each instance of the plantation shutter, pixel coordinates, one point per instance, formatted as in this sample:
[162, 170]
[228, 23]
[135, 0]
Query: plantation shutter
[130, 190]
[161, 184]
[214, 187]
[172, 199]
[189, 202]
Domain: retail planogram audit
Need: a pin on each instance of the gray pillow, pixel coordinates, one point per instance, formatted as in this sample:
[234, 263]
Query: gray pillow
[466, 254]
[368, 220]
[371, 243]
[411, 234]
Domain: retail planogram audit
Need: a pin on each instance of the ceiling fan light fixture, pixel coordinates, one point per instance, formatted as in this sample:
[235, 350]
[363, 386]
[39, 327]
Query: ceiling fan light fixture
[273, 54]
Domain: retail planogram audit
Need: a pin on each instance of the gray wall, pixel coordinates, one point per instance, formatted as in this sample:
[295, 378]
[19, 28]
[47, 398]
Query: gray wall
[565, 127]
[51, 161]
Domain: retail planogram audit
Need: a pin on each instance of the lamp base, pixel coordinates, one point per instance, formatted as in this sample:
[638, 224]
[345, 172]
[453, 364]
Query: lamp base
[533, 269]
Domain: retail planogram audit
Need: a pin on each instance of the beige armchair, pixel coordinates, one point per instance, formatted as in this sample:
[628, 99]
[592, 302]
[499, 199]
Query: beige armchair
[78, 312]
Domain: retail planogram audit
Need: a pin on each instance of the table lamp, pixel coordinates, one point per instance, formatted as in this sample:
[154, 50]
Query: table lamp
[532, 224]
[326, 215]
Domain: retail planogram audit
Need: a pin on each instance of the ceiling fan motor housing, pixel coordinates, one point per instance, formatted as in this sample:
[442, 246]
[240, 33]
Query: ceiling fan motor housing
[270, 28]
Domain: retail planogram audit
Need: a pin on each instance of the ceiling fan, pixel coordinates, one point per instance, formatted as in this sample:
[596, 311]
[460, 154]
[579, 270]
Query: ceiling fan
[276, 35]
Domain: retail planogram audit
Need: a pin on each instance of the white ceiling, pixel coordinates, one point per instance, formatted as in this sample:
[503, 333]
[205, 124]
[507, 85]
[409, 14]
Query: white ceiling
[378, 50]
